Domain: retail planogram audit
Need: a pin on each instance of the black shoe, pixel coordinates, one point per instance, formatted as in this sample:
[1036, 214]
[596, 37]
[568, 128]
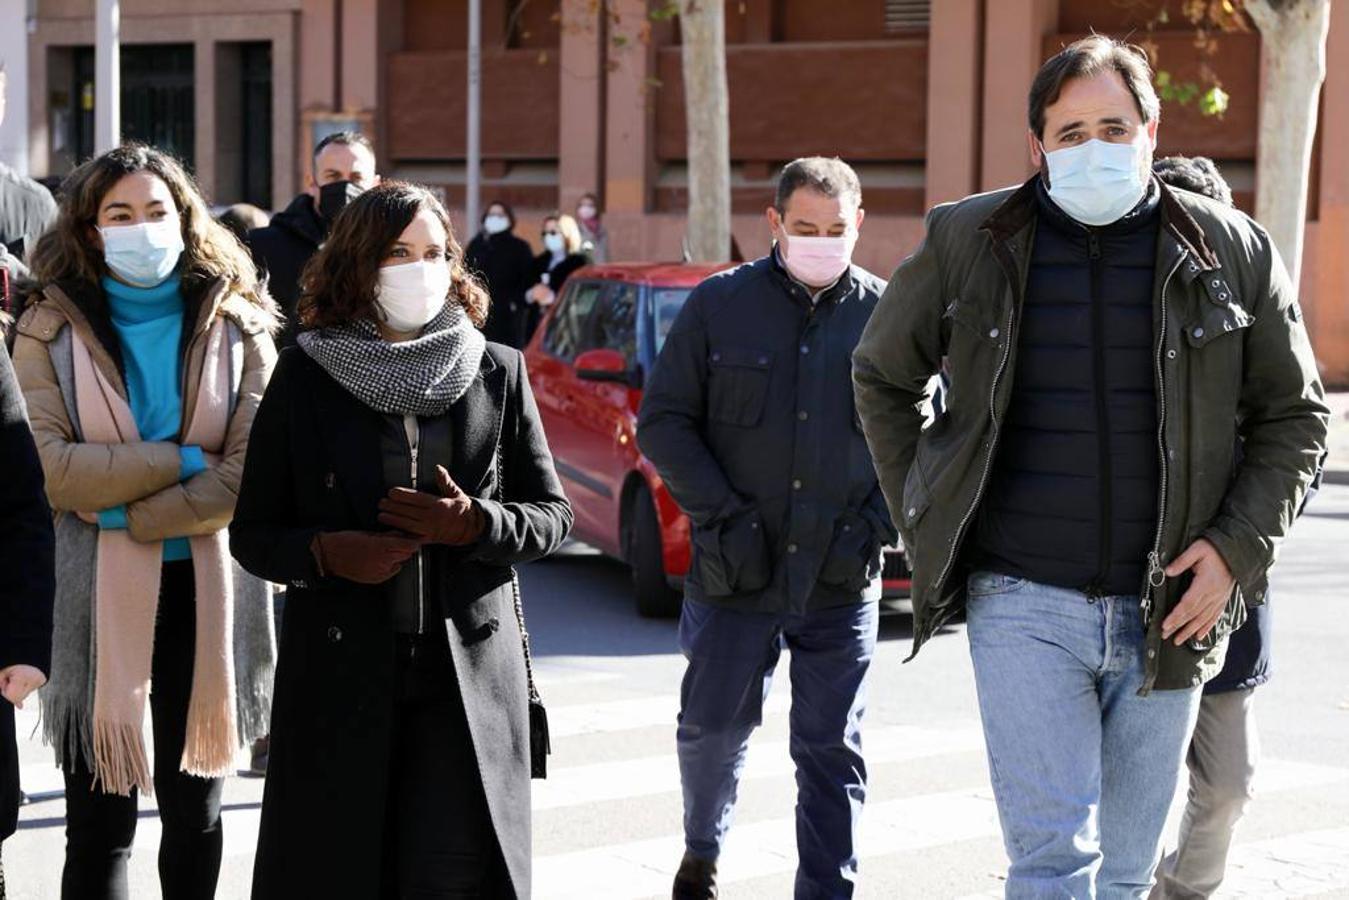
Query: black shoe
[695, 880]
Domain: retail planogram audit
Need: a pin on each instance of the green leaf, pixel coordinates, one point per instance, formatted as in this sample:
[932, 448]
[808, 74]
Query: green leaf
[1214, 102]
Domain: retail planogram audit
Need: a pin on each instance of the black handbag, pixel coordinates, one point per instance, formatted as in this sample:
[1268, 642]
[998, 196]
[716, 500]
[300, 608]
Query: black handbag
[539, 743]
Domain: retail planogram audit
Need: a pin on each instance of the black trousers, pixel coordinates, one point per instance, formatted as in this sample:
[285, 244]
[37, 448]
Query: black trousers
[100, 827]
[439, 840]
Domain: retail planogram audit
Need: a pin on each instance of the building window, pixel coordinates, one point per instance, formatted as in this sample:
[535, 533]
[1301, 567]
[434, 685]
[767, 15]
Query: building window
[907, 15]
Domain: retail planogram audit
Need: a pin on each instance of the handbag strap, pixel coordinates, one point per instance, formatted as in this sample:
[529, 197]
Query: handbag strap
[515, 590]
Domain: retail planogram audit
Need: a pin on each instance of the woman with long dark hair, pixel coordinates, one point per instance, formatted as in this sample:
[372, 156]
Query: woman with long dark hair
[398, 471]
[143, 362]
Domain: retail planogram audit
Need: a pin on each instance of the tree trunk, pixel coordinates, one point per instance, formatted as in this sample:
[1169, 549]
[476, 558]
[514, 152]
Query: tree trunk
[702, 26]
[1293, 65]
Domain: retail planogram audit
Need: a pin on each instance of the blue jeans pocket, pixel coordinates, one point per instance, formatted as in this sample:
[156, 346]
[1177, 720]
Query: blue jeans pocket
[989, 584]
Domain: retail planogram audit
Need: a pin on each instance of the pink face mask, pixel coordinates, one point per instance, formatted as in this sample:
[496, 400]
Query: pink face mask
[817, 261]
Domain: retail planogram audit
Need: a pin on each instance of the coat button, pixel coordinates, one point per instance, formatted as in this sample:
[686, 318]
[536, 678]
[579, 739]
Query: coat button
[1170, 354]
[1199, 332]
[803, 415]
[1217, 283]
[1222, 295]
[1152, 654]
[763, 360]
[913, 511]
[792, 548]
[716, 357]
[796, 485]
[994, 333]
[1193, 267]
[334, 634]
[804, 349]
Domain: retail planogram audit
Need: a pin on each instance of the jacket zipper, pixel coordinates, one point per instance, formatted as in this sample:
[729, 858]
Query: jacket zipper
[1156, 574]
[1097, 588]
[414, 444]
[992, 451]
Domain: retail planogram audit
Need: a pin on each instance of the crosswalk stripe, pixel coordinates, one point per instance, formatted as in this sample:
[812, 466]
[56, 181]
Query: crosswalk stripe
[633, 712]
[621, 779]
[1313, 863]
[645, 867]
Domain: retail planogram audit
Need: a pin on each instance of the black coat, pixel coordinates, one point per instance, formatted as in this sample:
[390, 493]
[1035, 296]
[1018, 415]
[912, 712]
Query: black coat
[557, 277]
[748, 417]
[505, 264]
[314, 464]
[281, 250]
[28, 561]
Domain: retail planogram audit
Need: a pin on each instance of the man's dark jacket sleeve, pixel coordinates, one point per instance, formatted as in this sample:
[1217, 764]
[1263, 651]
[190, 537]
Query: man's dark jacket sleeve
[27, 542]
[674, 412]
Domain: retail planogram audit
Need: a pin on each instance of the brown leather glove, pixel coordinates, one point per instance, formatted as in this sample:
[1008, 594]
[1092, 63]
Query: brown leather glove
[365, 557]
[452, 519]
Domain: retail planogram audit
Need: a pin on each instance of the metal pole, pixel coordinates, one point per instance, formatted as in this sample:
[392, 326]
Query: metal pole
[107, 77]
[473, 144]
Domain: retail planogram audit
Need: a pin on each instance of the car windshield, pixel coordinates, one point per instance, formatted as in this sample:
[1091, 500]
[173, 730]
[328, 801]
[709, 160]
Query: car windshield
[669, 301]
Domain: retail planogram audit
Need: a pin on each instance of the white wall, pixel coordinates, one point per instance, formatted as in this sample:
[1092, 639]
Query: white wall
[14, 53]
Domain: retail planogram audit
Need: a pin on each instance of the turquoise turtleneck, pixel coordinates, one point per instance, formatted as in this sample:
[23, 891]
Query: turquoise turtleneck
[149, 325]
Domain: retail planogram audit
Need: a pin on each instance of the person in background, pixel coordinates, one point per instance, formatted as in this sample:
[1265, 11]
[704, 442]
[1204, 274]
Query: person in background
[27, 557]
[594, 236]
[241, 218]
[1225, 749]
[343, 167]
[143, 362]
[26, 207]
[748, 418]
[1108, 339]
[504, 262]
[562, 255]
[398, 470]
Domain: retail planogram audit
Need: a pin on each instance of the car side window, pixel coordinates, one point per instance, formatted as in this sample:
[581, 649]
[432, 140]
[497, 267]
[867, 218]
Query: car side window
[566, 329]
[614, 324]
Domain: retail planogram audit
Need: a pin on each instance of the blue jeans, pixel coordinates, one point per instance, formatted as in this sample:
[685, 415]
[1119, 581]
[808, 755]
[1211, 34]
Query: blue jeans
[731, 657]
[1083, 768]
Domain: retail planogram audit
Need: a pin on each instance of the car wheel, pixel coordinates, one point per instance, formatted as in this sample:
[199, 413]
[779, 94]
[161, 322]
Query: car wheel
[655, 598]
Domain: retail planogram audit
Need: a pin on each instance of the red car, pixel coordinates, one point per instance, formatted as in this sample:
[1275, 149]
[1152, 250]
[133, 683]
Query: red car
[587, 363]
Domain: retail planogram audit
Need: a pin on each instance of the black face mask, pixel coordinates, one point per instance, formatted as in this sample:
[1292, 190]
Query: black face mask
[334, 197]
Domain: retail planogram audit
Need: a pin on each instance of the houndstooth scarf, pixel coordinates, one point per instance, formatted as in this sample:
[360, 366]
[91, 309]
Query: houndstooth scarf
[420, 377]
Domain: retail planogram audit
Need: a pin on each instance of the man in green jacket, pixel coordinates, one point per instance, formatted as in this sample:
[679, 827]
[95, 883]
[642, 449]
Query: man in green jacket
[1107, 339]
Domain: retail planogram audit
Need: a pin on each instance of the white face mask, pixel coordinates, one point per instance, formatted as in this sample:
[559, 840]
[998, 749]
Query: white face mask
[554, 243]
[410, 295]
[496, 224]
[143, 255]
[1098, 182]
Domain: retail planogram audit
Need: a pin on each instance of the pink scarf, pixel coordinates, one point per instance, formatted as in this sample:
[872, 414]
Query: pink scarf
[126, 595]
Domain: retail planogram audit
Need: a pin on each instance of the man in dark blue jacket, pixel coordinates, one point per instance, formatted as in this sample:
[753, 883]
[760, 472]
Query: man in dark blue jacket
[749, 419]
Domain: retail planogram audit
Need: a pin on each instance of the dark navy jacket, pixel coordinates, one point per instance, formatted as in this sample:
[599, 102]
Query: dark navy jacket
[749, 418]
[1073, 497]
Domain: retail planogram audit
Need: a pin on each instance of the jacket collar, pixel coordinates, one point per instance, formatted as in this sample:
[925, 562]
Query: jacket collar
[835, 293]
[1014, 214]
[302, 220]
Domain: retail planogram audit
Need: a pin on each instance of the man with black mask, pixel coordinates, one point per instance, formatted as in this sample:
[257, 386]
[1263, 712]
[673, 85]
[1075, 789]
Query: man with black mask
[344, 166]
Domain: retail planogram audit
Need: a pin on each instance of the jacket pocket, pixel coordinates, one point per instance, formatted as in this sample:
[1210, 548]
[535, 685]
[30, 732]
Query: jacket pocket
[738, 385]
[1233, 617]
[847, 563]
[733, 556]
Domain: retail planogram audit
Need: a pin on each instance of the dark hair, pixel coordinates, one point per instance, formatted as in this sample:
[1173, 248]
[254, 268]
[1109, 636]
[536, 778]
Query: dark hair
[241, 218]
[510, 212]
[211, 251]
[1087, 58]
[1197, 174]
[338, 284]
[830, 176]
[346, 139]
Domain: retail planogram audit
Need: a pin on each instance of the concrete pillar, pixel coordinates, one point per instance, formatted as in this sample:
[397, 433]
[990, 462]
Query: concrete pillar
[628, 154]
[1328, 313]
[204, 95]
[360, 56]
[581, 82]
[1014, 33]
[953, 88]
[14, 51]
